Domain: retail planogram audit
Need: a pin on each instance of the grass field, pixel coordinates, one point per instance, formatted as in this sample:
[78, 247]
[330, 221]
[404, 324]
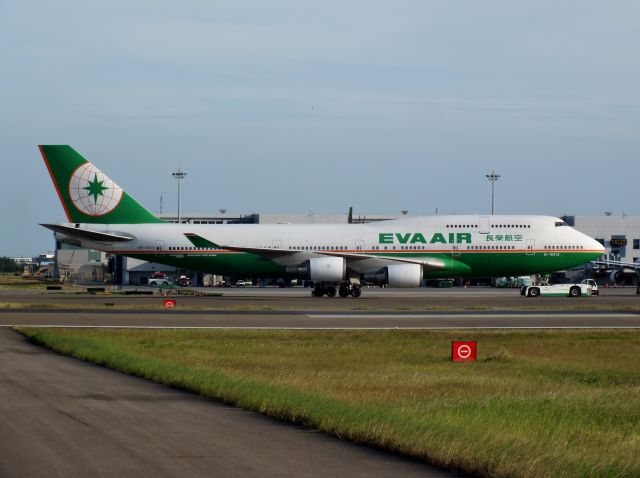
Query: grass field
[18, 282]
[543, 403]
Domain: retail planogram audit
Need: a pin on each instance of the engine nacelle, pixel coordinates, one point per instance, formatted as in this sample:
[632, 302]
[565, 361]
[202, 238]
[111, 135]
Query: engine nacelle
[397, 275]
[616, 276]
[321, 269]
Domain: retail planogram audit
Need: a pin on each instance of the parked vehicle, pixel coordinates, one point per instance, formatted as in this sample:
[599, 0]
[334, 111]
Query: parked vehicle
[161, 282]
[184, 281]
[583, 289]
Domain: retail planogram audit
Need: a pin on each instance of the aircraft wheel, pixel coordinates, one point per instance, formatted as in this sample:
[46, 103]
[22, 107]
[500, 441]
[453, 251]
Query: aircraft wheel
[319, 291]
[356, 292]
[343, 292]
[331, 291]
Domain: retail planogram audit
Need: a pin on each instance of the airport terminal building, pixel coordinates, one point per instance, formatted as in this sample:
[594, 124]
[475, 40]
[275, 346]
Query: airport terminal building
[620, 235]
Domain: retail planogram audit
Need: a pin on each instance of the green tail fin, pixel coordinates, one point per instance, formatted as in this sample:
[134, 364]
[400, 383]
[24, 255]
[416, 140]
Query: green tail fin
[87, 194]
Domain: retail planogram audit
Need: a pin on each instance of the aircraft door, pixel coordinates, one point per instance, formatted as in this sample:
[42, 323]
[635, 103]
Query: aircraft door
[277, 244]
[455, 250]
[159, 245]
[359, 244]
[531, 246]
[483, 226]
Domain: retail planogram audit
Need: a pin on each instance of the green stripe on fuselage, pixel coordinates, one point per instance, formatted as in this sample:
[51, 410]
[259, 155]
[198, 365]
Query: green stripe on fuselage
[466, 264]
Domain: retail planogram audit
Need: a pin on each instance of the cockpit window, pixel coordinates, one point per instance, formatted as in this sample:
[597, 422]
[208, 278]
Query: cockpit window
[561, 223]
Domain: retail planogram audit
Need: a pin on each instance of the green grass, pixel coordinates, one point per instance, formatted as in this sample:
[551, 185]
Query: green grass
[19, 282]
[543, 403]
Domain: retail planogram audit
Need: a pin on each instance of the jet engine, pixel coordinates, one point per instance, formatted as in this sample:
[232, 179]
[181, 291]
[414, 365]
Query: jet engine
[397, 275]
[616, 276]
[321, 269]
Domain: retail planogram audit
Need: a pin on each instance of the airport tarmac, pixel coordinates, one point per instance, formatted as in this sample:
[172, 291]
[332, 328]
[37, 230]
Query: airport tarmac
[475, 298]
[293, 308]
[321, 319]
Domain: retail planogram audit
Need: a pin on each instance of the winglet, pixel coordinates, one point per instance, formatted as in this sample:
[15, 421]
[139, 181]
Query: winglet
[200, 241]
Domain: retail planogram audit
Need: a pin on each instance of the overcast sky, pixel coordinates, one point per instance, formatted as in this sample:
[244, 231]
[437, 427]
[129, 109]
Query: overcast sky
[298, 106]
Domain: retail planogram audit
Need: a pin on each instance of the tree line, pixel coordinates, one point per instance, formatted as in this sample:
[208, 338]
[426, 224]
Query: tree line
[8, 265]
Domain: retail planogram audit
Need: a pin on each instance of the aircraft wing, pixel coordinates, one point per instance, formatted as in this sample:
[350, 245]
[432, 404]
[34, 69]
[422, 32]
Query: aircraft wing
[628, 265]
[87, 233]
[429, 263]
[200, 241]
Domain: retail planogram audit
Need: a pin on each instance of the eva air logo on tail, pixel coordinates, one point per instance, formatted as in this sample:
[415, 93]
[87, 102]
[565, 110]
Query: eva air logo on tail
[92, 192]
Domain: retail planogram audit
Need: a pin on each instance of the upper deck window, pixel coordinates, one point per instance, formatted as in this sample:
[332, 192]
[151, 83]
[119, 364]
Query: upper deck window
[561, 223]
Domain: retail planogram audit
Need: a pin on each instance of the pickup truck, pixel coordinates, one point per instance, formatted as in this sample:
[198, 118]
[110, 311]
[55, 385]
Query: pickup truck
[585, 288]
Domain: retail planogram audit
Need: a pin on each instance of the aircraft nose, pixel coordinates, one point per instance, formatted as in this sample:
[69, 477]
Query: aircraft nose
[594, 245]
[590, 244]
[598, 247]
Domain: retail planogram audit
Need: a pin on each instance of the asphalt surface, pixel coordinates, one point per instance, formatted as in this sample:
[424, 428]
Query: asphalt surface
[294, 308]
[371, 299]
[322, 319]
[61, 417]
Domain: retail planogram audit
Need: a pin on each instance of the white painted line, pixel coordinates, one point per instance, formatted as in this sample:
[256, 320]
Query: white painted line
[472, 316]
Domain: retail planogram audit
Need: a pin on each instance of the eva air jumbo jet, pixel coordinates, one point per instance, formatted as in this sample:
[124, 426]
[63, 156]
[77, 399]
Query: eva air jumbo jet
[337, 257]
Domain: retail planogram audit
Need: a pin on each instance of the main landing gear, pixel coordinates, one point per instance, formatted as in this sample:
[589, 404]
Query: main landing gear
[345, 289]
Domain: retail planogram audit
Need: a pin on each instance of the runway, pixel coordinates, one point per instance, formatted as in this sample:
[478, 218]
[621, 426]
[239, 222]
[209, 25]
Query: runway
[322, 319]
[294, 309]
[374, 299]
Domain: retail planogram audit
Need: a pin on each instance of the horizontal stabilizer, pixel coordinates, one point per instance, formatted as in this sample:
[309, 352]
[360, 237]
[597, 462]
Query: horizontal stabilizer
[87, 234]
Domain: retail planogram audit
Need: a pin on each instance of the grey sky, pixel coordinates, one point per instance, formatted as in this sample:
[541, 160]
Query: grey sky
[289, 106]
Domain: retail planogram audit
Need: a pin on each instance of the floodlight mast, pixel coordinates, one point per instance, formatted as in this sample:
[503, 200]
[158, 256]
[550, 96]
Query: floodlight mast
[493, 177]
[179, 176]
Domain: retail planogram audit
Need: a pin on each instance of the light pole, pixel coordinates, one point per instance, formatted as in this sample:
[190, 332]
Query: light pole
[179, 176]
[493, 177]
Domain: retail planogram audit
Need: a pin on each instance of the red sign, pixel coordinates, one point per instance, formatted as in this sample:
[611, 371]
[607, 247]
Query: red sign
[169, 303]
[463, 351]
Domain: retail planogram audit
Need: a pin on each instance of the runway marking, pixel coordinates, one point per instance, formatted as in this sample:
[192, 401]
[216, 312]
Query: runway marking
[577, 315]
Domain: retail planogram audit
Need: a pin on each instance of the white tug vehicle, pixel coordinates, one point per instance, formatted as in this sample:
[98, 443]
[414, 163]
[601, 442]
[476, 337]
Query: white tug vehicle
[586, 288]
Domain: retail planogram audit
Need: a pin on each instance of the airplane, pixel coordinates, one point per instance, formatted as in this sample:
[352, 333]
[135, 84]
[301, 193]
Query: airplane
[338, 258]
[618, 269]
